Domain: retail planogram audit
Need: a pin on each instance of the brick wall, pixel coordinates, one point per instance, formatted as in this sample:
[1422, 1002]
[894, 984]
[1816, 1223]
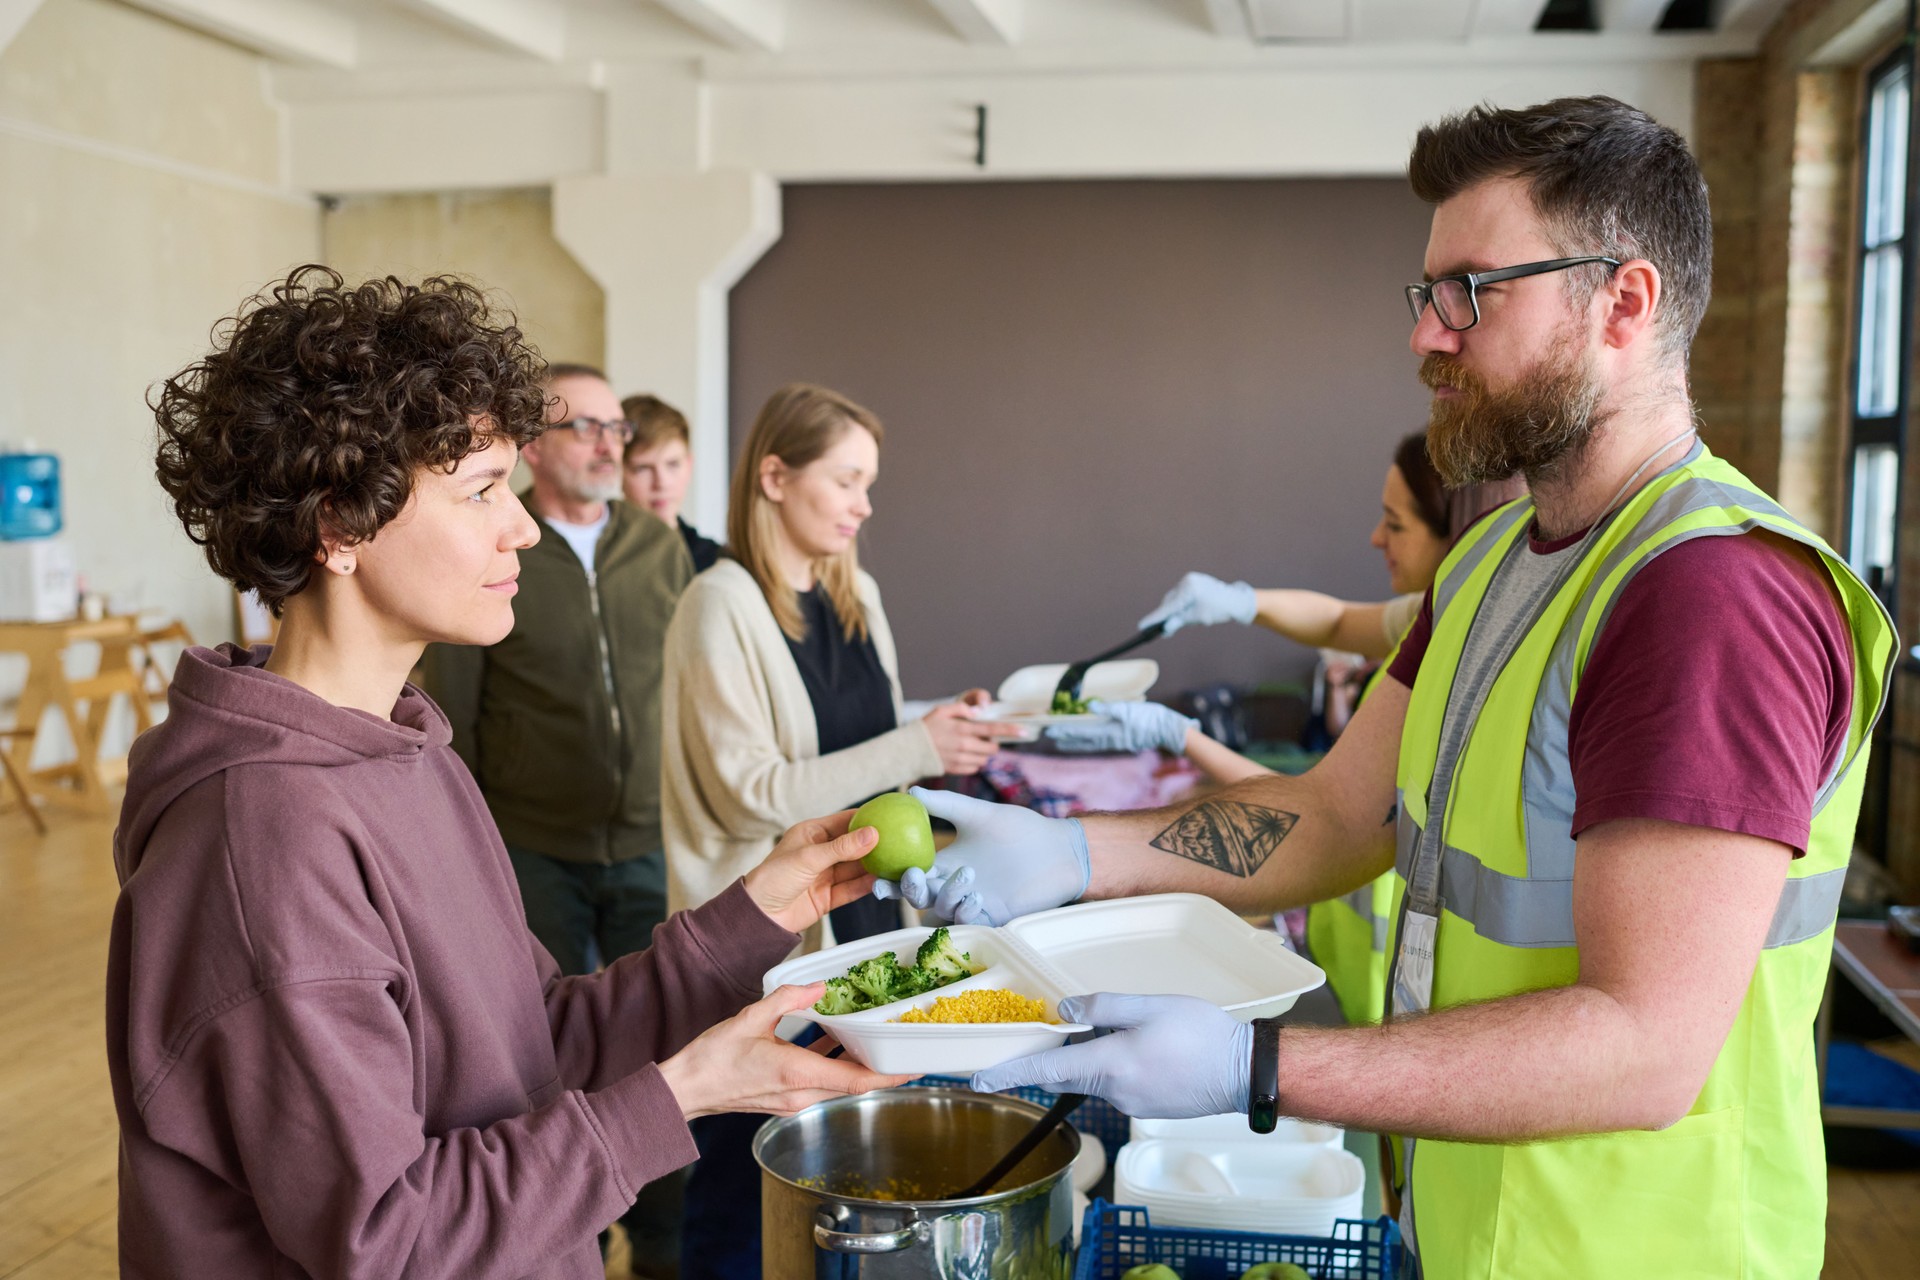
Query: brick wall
[1777, 136]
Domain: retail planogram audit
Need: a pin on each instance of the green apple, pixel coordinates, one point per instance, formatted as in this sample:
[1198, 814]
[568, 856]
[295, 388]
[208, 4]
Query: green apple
[1276, 1271]
[1150, 1271]
[906, 834]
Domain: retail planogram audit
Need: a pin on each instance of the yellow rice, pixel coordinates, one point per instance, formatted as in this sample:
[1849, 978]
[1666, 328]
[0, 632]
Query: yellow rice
[981, 1006]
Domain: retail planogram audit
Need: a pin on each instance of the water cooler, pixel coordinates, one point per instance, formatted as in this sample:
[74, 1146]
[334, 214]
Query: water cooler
[37, 578]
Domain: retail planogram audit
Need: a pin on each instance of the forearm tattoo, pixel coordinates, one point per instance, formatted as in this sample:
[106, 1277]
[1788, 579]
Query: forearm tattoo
[1227, 835]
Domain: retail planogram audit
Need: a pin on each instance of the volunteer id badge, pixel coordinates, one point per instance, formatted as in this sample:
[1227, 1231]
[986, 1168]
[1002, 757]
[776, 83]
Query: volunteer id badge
[1413, 973]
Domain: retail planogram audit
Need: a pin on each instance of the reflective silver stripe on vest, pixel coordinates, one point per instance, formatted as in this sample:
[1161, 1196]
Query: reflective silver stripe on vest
[1510, 910]
[1517, 911]
[1360, 902]
[1498, 525]
[1547, 776]
[1547, 781]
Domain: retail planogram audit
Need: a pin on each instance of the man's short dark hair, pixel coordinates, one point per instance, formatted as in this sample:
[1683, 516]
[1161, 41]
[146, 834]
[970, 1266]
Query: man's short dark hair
[1605, 177]
[319, 404]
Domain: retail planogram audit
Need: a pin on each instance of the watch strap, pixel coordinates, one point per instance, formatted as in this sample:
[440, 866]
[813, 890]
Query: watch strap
[1263, 1085]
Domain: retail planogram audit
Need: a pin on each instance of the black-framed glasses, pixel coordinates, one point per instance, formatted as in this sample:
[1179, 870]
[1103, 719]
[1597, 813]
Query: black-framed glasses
[594, 430]
[1455, 299]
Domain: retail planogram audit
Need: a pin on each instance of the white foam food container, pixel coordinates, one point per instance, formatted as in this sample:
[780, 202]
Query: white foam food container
[1214, 1130]
[1030, 689]
[1289, 1188]
[1165, 944]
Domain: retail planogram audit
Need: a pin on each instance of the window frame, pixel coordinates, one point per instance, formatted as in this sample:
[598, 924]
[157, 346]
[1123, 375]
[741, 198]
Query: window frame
[1865, 431]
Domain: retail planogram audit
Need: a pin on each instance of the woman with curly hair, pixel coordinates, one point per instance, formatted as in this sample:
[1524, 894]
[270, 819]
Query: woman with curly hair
[335, 1048]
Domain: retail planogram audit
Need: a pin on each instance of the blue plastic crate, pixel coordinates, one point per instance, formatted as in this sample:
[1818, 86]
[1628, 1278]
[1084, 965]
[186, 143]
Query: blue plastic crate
[1096, 1116]
[1116, 1237]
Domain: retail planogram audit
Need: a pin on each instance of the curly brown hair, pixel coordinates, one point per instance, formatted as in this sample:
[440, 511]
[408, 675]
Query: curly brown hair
[319, 404]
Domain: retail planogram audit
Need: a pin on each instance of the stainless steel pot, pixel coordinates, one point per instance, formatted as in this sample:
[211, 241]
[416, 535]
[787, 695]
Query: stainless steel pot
[824, 1171]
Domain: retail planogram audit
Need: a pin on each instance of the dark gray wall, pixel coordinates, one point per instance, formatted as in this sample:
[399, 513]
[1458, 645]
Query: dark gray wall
[1092, 387]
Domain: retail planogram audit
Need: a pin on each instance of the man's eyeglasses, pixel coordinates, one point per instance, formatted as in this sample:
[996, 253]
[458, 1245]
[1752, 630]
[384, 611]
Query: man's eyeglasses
[594, 430]
[1455, 299]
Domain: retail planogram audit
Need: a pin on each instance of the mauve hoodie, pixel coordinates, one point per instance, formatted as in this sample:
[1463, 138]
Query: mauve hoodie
[336, 1050]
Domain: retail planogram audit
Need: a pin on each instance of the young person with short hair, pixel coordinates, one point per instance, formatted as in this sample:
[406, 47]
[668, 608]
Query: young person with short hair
[658, 467]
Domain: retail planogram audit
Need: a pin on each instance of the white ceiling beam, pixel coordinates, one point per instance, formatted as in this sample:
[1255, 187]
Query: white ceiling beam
[13, 16]
[1629, 17]
[530, 28]
[1281, 20]
[984, 21]
[1227, 18]
[754, 26]
[296, 31]
[1506, 17]
[1745, 17]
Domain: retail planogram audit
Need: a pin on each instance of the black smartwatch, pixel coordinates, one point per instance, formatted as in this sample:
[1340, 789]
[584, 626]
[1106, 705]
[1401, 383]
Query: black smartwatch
[1263, 1085]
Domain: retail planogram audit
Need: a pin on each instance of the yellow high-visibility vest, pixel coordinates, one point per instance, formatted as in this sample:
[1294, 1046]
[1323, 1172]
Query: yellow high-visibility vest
[1738, 1187]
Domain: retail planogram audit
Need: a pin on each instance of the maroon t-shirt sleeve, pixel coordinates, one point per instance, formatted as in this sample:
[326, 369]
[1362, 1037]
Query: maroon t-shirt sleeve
[1719, 693]
[1413, 645]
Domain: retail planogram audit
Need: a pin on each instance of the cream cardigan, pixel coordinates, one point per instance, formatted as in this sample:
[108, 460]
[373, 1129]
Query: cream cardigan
[740, 751]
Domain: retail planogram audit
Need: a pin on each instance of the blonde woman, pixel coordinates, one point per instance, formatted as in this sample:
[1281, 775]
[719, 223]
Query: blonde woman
[782, 697]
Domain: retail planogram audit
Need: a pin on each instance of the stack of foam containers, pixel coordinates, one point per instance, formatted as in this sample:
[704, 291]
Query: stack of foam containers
[1217, 1173]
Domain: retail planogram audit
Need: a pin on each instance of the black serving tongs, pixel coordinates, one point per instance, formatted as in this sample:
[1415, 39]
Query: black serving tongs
[1076, 674]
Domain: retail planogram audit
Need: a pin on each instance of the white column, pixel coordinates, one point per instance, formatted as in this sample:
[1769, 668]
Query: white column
[666, 249]
[13, 16]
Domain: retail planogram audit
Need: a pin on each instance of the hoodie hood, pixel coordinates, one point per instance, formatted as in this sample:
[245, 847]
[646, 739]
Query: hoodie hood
[224, 708]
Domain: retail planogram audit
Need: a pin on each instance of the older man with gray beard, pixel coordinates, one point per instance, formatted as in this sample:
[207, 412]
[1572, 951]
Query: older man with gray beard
[560, 722]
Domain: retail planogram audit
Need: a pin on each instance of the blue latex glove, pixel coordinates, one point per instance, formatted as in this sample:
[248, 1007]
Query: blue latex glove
[1202, 601]
[1004, 862]
[1130, 726]
[1171, 1058]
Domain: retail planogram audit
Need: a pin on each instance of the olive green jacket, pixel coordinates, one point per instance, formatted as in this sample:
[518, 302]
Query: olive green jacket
[560, 721]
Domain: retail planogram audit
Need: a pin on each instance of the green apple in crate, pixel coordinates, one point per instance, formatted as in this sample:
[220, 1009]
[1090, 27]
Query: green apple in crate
[1276, 1271]
[906, 834]
[1150, 1271]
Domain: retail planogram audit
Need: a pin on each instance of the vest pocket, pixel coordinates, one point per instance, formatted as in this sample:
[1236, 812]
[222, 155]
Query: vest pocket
[1667, 1203]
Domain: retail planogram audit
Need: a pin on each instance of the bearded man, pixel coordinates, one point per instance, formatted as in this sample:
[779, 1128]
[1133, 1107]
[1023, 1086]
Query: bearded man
[560, 721]
[1616, 770]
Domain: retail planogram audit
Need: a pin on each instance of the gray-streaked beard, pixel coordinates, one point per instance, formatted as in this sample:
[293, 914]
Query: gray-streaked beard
[587, 490]
[1534, 428]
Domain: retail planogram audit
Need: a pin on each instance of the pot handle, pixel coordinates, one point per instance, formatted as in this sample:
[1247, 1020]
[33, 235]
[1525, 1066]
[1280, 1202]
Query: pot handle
[827, 1236]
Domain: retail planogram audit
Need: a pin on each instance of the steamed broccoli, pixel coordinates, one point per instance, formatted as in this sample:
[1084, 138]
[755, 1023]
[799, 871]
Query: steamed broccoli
[877, 978]
[916, 981]
[841, 997]
[941, 959]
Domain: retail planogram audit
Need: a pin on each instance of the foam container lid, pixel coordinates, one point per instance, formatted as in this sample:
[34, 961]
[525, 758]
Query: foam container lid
[1164, 944]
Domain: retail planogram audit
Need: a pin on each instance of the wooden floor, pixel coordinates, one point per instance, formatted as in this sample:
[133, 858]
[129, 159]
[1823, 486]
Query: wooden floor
[56, 1113]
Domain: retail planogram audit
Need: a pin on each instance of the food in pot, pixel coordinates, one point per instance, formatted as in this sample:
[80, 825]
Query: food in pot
[1066, 704]
[855, 1187]
[906, 834]
[995, 1005]
[882, 979]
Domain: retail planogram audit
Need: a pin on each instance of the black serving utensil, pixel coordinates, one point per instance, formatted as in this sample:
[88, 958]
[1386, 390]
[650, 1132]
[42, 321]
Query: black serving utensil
[1076, 675]
[1057, 1114]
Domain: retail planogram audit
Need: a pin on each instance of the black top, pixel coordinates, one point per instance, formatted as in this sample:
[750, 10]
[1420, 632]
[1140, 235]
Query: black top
[703, 549]
[851, 695]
